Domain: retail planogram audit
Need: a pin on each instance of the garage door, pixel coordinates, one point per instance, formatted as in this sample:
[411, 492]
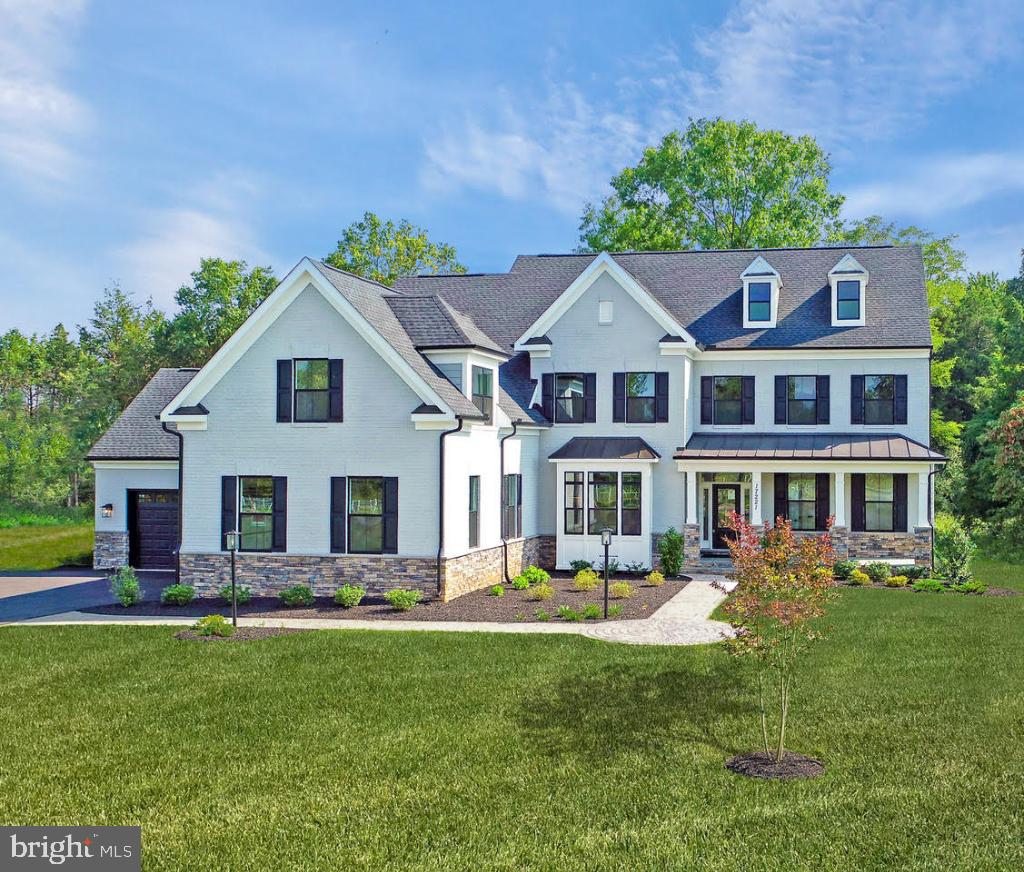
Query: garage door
[152, 528]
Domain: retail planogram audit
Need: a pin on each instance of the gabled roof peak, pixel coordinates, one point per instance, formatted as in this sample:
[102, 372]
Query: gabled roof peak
[848, 264]
[760, 267]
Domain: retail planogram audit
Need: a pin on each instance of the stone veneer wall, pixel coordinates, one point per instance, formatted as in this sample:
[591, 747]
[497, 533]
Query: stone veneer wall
[691, 546]
[485, 568]
[916, 546]
[110, 549]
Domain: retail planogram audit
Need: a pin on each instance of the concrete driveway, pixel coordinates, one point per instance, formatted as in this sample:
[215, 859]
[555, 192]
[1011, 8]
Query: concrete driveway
[37, 594]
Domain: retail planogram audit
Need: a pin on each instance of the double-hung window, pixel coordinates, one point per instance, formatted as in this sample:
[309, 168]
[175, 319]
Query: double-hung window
[802, 399]
[728, 399]
[759, 301]
[879, 399]
[848, 300]
[483, 391]
[569, 398]
[312, 390]
[256, 513]
[575, 505]
[631, 504]
[879, 501]
[801, 500]
[640, 398]
[365, 515]
[604, 502]
[474, 511]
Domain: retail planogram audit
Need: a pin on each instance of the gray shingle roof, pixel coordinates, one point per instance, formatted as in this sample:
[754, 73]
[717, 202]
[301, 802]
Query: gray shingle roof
[137, 434]
[805, 446]
[433, 323]
[605, 448]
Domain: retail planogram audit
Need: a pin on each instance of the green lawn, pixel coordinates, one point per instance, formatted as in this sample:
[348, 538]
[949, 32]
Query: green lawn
[397, 751]
[45, 547]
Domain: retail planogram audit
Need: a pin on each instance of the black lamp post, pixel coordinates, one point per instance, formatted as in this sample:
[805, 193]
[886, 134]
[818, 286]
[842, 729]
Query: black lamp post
[232, 543]
[606, 541]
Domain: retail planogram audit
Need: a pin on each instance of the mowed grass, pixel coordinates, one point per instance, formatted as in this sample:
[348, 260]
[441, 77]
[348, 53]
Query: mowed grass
[345, 749]
[46, 547]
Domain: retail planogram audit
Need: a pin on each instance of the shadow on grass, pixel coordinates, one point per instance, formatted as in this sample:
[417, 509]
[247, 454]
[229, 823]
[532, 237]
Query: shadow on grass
[627, 708]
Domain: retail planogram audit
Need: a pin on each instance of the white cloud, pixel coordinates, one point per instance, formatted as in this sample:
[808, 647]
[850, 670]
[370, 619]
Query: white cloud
[38, 114]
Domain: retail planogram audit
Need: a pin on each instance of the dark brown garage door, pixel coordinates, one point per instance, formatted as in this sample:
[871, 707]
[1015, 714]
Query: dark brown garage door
[152, 528]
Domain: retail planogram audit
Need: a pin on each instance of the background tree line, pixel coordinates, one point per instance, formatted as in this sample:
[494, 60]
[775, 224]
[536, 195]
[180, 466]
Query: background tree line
[717, 184]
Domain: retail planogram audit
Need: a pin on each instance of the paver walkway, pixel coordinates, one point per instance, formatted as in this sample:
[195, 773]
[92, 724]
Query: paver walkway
[683, 620]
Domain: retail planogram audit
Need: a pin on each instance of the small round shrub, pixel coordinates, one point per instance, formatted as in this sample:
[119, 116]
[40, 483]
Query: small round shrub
[972, 586]
[520, 583]
[878, 572]
[896, 581]
[296, 596]
[348, 596]
[914, 572]
[534, 575]
[403, 600]
[213, 625]
[614, 610]
[177, 594]
[542, 615]
[243, 595]
[541, 592]
[858, 578]
[928, 585]
[585, 579]
[655, 579]
[124, 585]
[567, 613]
[577, 565]
[591, 612]
[496, 590]
[621, 590]
[843, 569]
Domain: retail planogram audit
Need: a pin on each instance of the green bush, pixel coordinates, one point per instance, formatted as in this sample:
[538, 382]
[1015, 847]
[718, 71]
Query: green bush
[586, 579]
[896, 581]
[928, 585]
[124, 585]
[213, 625]
[621, 590]
[541, 592]
[972, 586]
[591, 612]
[655, 579]
[12, 516]
[637, 570]
[914, 572]
[243, 595]
[177, 594]
[520, 583]
[878, 572]
[614, 610]
[534, 575]
[577, 565]
[496, 590]
[542, 615]
[843, 569]
[858, 578]
[296, 596]
[954, 549]
[348, 596]
[567, 613]
[670, 549]
[403, 600]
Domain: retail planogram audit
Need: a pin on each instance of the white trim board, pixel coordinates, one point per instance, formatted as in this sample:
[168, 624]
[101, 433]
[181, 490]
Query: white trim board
[135, 464]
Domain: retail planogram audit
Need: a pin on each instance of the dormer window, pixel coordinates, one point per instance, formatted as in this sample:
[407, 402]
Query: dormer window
[848, 280]
[761, 285]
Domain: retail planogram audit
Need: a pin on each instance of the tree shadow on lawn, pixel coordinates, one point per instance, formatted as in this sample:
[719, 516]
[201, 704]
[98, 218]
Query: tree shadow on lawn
[625, 708]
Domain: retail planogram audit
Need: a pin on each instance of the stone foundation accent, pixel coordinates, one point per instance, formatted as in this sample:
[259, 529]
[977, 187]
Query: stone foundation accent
[691, 546]
[916, 546]
[485, 568]
[840, 537]
[110, 549]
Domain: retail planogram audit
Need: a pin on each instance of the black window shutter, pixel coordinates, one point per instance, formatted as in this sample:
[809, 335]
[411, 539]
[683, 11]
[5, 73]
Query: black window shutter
[619, 397]
[707, 400]
[519, 505]
[228, 508]
[284, 390]
[390, 519]
[781, 496]
[335, 372]
[900, 404]
[821, 501]
[747, 405]
[781, 395]
[857, 497]
[899, 500]
[824, 401]
[280, 514]
[338, 506]
[661, 397]
[857, 399]
[589, 397]
[547, 395]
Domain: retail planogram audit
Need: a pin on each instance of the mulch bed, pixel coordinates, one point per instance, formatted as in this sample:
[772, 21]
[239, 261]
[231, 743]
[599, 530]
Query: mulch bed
[241, 634]
[513, 607]
[758, 764]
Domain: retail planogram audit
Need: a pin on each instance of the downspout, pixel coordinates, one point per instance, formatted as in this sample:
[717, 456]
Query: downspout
[440, 497]
[181, 502]
[501, 479]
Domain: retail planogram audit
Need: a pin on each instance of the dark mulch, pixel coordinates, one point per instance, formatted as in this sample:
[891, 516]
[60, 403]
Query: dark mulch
[514, 606]
[241, 634]
[758, 764]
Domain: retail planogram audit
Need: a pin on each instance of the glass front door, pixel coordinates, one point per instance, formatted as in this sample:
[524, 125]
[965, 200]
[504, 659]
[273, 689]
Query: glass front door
[725, 501]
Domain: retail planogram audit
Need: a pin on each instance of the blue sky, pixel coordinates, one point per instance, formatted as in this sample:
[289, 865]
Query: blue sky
[137, 137]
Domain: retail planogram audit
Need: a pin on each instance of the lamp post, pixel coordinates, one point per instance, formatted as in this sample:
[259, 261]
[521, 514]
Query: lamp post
[232, 543]
[606, 541]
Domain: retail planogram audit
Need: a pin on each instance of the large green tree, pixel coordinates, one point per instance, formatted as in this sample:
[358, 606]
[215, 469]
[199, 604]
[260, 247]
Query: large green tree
[717, 184]
[384, 251]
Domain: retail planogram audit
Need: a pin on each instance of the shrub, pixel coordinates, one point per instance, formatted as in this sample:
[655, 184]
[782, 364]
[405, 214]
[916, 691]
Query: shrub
[858, 578]
[520, 583]
[637, 570]
[566, 613]
[243, 595]
[913, 571]
[213, 625]
[670, 550]
[541, 592]
[591, 612]
[177, 594]
[124, 585]
[586, 579]
[614, 610]
[842, 569]
[295, 596]
[496, 590]
[577, 565]
[655, 579]
[878, 571]
[896, 581]
[613, 567]
[928, 585]
[542, 615]
[621, 590]
[349, 596]
[972, 586]
[534, 575]
[403, 600]
[955, 550]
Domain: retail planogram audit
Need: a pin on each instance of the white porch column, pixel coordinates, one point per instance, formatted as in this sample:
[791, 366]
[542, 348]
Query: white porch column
[691, 496]
[756, 499]
[840, 499]
[923, 499]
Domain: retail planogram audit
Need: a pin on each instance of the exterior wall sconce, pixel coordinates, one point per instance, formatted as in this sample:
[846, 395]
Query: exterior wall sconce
[108, 510]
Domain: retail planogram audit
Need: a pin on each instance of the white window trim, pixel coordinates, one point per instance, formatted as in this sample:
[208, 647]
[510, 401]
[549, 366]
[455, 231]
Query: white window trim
[605, 312]
[760, 271]
[848, 270]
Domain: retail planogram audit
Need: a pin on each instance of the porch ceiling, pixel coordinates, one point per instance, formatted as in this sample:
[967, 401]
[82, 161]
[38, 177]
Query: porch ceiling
[806, 446]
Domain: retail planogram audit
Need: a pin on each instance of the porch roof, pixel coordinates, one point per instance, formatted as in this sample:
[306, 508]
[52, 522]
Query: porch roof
[605, 448]
[806, 446]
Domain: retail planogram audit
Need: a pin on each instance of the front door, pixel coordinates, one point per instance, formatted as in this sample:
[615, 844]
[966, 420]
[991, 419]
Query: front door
[725, 499]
